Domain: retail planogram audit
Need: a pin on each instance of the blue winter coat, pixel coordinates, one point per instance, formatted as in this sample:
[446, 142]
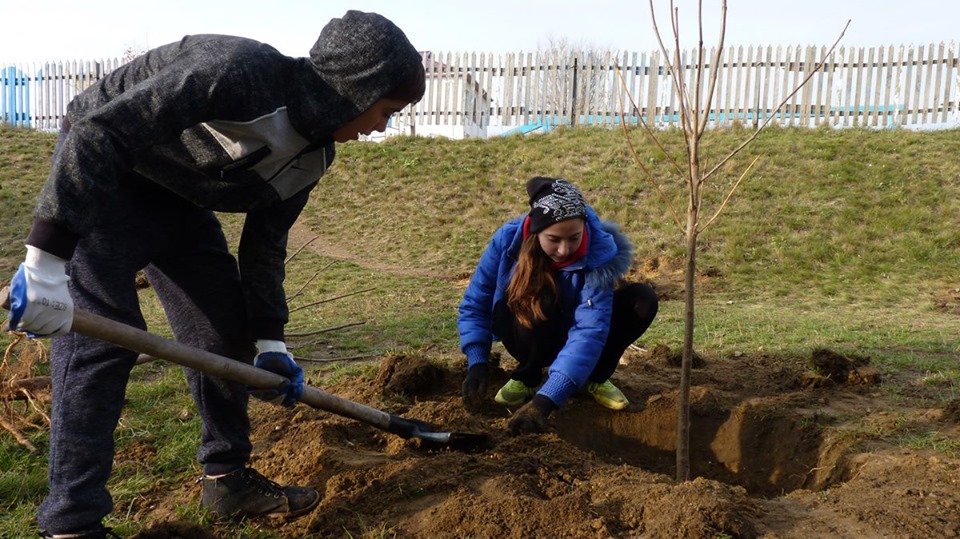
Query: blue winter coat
[586, 289]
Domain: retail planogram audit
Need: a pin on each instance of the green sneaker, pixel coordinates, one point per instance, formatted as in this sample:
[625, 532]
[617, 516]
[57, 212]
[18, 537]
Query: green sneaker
[607, 395]
[514, 393]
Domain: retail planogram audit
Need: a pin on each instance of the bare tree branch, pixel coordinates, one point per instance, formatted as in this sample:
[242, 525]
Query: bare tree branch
[636, 158]
[715, 73]
[300, 308]
[756, 132]
[674, 77]
[677, 69]
[730, 194]
[646, 127]
[698, 106]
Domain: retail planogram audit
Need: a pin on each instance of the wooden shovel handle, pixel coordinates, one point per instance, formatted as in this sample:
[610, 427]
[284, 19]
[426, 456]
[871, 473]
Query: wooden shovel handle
[131, 338]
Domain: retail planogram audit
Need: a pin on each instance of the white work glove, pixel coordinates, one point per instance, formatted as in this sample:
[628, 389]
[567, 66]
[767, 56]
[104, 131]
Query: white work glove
[40, 302]
[273, 356]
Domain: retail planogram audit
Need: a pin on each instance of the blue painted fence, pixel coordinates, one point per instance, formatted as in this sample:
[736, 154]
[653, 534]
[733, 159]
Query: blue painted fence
[14, 97]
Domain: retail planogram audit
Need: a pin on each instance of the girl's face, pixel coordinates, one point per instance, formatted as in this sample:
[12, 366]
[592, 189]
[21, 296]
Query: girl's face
[561, 240]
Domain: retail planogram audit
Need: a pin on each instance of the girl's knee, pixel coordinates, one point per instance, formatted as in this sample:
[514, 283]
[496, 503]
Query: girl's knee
[642, 298]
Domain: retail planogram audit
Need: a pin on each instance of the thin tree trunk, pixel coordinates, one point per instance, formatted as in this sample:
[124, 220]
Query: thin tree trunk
[683, 416]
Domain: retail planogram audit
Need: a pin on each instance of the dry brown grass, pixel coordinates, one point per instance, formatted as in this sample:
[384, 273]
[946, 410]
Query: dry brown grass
[24, 392]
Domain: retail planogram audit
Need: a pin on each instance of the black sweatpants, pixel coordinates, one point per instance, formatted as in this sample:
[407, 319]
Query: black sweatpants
[634, 308]
[185, 256]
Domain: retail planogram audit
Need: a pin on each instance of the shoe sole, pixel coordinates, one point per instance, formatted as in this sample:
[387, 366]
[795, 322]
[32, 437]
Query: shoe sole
[290, 515]
[284, 515]
[613, 405]
[302, 511]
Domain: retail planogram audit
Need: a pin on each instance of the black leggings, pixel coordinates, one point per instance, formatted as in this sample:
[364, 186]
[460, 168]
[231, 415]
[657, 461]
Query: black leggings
[634, 308]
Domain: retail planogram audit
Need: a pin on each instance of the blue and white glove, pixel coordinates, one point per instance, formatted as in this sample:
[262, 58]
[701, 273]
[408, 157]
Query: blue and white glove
[40, 302]
[273, 356]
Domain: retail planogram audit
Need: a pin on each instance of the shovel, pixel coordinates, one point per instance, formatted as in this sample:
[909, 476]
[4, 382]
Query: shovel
[137, 340]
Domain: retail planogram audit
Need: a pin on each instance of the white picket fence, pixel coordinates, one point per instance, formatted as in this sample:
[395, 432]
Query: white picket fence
[482, 94]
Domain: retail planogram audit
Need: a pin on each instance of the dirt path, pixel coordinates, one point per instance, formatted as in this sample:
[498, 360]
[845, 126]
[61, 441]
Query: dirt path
[331, 247]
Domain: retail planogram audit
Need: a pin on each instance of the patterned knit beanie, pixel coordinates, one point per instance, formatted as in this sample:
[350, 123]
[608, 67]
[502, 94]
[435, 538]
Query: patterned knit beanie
[553, 200]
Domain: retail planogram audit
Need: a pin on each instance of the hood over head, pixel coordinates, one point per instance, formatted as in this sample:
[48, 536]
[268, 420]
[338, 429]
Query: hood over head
[364, 57]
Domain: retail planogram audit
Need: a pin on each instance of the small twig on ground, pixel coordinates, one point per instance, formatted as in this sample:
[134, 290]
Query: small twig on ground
[334, 359]
[310, 280]
[18, 435]
[295, 309]
[302, 247]
[325, 330]
[36, 407]
[15, 389]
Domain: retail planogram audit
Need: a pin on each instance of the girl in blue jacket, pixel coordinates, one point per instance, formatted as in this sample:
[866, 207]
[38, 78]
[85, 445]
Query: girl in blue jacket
[546, 286]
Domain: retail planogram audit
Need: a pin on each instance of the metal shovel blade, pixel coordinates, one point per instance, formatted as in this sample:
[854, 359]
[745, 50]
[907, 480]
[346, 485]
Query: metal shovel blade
[432, 439]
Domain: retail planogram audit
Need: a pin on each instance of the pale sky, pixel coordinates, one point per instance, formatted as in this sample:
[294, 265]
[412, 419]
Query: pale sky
[44, 30]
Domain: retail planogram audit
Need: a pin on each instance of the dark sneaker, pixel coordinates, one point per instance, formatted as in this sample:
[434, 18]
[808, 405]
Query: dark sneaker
[246, 493]
[98, 533]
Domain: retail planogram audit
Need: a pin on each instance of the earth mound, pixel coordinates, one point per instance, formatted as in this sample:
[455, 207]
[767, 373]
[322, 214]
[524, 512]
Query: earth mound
[771, 456]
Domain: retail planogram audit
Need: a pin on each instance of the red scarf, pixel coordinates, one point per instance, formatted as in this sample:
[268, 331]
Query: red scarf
[581, 251]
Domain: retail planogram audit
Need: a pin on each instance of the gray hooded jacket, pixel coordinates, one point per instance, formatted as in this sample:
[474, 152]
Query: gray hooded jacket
[229, 124]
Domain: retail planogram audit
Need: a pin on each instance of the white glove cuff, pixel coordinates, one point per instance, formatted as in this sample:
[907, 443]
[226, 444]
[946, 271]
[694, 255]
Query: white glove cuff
[44, 263]
[264, 345]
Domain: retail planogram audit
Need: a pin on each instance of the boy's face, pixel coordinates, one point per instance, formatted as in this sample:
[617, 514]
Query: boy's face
[373, 119]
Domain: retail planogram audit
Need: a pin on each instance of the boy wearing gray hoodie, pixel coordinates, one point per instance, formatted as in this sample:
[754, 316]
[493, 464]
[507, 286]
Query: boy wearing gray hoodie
[145, 157]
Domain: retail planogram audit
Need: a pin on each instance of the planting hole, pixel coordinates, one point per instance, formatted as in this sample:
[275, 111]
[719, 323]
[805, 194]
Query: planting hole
[756, 443]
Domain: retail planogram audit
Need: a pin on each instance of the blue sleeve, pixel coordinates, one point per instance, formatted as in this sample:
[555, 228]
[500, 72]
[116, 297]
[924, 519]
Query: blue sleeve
[585, 342]
[475, 320]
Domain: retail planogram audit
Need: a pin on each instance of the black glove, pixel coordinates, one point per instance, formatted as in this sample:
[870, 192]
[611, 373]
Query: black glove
[531, 418]
[475, 386]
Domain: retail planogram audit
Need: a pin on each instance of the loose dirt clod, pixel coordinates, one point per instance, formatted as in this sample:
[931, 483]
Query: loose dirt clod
[952, 411]
[842, 369]
[408, 375]
[175, 529]
[663, 354]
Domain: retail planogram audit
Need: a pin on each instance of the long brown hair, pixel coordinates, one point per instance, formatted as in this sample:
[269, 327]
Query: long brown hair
[532, 278]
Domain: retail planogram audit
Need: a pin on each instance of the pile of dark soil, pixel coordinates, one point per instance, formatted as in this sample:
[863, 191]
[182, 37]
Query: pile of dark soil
[772, 455]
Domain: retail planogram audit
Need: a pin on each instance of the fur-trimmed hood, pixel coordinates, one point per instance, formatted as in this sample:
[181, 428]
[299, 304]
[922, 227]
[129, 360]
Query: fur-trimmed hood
[608, 263]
